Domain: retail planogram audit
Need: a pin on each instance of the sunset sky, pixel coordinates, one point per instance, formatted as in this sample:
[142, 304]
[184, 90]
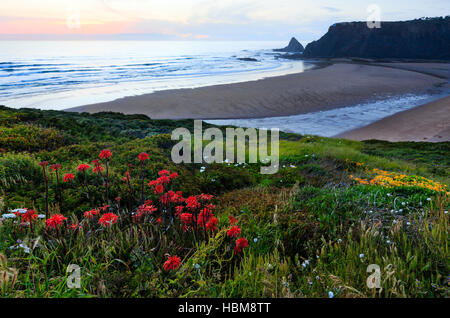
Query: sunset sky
[196, 19]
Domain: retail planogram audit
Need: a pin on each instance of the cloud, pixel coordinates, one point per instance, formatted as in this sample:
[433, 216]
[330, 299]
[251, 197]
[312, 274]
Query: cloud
[203, 19]
[331, 9]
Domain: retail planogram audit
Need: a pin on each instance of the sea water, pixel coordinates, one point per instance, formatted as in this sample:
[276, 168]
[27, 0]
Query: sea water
[63, 74]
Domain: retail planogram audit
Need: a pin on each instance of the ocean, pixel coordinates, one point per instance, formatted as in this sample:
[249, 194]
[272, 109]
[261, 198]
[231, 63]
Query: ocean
[62, 74]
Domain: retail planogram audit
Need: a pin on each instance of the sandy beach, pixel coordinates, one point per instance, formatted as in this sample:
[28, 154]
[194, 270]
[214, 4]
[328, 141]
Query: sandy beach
[430, 122]
[337, 85]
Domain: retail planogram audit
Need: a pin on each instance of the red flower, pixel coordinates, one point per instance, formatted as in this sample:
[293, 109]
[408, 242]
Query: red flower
[164, 172]
[163, 180]
[205, 197]
[158, 220]
[179, 196]
[212, 224]
[173, 175]
[159, 189]
[74, 226]
[145, 209]
[172, 263]
[55, 167]
[105, 154]
[83, 167]
[204, 216]
[192, 203]
[186, 218]
[55, 221]
[117, 199]
[235, 231]
[29, 216]
[143, 156]
[127, 176]
[174, 197]
[164, 199]
[43, 163]
[68, 177]
[232, 220]
[240, 245]
[90, 214]
[108, 219]
[104, 208]
[97, 168]
[179, 210]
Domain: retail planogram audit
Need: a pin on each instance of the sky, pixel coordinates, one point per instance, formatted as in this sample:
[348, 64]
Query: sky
[197, 19]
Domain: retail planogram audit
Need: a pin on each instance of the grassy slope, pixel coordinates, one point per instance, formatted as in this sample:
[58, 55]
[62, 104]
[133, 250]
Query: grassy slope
[310, 210]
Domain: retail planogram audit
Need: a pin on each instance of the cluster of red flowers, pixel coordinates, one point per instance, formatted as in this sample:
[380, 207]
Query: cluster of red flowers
[199, 213]
[74, 226]
[198, 209]
[105, 154]
[145, 209]
[241, 243]
[55, 221]
[28, 216]
[234, 232]
[83, 167]
[172, 263]
[143, 156]
[91, 214]
[108, 219]
[97, 166]
[172, 197]
[194, 213]
[68, 177]
[164, 179]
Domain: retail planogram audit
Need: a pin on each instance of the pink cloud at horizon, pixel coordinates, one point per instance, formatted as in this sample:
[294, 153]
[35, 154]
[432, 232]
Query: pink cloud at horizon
[46, 26]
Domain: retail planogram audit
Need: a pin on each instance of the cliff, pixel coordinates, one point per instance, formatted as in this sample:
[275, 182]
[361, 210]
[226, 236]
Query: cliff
[415, 39]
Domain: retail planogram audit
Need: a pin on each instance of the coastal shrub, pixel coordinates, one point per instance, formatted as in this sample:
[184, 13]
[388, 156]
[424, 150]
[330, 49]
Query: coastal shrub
[25, 137]
[432, 155]
[18, 169]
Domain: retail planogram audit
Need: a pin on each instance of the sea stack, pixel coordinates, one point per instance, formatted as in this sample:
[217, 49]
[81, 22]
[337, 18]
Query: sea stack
[293, 47]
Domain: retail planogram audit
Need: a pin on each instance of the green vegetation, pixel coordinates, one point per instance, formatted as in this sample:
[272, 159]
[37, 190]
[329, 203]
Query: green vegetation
[335, 207]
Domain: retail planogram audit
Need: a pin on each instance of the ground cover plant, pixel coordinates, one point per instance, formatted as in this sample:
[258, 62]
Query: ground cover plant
[100, 191]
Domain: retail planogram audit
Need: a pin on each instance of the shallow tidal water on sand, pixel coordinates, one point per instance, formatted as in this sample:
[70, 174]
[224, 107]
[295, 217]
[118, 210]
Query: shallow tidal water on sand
[335, 121]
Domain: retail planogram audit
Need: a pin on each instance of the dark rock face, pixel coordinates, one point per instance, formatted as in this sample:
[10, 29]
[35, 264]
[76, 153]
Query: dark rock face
[247, 59]
[294, 47]
[415, 39]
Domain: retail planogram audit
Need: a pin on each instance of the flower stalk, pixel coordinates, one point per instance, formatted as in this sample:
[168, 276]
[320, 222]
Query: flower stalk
[44, 165]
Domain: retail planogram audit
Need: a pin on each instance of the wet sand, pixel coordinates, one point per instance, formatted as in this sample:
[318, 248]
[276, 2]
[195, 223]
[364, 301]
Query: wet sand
[429, 122]
[337, 85]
